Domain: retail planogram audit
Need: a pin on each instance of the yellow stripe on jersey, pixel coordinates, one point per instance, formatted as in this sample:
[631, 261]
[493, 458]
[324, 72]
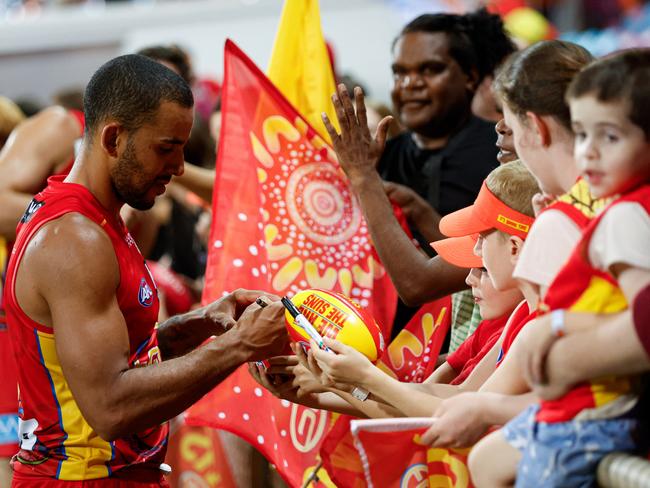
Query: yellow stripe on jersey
[603, 297]
[87, 453]
[600, 296]
[609, 388]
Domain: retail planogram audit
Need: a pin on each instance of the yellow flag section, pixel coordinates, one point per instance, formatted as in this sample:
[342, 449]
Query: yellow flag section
[300, 66]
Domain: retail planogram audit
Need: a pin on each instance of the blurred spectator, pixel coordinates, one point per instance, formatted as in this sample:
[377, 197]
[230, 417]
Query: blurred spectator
[70, 98]
[10, 117]
[29, 106]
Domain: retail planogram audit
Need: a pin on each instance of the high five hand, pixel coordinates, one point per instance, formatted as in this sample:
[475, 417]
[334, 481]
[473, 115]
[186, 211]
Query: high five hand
[357, 151]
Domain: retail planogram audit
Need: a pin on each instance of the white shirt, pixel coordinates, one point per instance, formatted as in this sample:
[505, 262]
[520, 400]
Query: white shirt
[550, 242]
[622, 237]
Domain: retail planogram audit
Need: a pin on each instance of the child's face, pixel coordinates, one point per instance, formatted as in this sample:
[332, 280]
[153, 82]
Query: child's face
[612, 153]
[533, 153]
[497, 259]
[492, 302]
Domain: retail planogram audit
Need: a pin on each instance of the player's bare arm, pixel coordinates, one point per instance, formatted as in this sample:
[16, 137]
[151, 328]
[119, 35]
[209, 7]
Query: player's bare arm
[92, 341]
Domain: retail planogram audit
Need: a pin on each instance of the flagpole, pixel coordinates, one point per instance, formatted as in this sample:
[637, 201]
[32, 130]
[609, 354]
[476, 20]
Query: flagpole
[313, 477]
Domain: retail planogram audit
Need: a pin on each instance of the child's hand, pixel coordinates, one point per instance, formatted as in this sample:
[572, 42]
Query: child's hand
[308, 377]
[551, 391]
[347, 366]
[457, 422]
[541, 201]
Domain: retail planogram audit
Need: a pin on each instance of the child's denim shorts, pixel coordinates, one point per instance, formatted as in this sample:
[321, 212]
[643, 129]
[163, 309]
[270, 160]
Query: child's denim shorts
[565, 454]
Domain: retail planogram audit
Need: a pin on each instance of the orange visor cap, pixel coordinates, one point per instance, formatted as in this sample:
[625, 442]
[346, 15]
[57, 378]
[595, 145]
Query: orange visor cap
[459, 251]
[488, 212]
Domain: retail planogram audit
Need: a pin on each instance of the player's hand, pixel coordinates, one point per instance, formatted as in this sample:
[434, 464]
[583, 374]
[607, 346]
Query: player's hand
[457, 422]
[262, 331]
[279, 386]
[357, 150]
[348, 366]
[222, 314]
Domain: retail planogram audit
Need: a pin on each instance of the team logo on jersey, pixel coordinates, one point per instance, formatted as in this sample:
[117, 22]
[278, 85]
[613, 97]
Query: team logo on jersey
[145, 294]
[33, 206]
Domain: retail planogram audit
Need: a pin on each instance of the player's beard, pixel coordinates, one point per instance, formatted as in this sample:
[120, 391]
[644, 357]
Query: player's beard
[129, 179]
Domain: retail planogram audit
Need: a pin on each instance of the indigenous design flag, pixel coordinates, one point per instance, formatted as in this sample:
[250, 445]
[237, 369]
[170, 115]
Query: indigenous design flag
[385, 444]
[284, 219]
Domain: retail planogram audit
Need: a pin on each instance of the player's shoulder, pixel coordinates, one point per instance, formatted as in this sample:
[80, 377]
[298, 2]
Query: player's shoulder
[72, 229]
[69, 245]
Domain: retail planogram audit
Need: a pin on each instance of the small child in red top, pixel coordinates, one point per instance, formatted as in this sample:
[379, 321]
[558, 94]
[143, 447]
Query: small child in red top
[496, 307]
[561, 442]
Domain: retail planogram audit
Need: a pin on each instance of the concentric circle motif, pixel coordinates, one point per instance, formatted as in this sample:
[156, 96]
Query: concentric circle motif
[320, 203]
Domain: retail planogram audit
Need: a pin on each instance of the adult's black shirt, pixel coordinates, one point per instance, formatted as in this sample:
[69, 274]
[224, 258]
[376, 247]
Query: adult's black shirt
[449, 178]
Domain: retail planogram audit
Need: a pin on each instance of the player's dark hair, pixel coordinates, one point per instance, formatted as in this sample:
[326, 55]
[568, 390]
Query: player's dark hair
[129, 89]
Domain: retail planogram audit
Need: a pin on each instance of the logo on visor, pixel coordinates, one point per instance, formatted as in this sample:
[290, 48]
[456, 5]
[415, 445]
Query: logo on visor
[513, 224]
[145, 295]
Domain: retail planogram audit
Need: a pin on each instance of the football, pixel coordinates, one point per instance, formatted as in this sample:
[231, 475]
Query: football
[337, 317]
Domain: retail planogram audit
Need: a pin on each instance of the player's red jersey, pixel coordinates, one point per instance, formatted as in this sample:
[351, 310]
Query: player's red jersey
[581, 287]
[56, 441]
[8, 386]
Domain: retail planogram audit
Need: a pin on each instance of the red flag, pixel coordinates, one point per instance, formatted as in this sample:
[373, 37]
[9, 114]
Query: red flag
[392, 455]
[284, 219]
[198, 459]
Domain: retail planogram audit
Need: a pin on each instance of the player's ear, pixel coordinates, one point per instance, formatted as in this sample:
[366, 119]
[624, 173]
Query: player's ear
[111, 137]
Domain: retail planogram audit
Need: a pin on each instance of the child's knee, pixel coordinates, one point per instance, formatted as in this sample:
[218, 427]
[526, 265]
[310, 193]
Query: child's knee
[475, 462]
[490, 464]
[480, 465]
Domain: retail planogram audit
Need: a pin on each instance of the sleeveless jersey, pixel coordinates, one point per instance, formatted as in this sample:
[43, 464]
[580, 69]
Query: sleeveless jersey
[56, 440]
[581, 287]
[8, 387]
